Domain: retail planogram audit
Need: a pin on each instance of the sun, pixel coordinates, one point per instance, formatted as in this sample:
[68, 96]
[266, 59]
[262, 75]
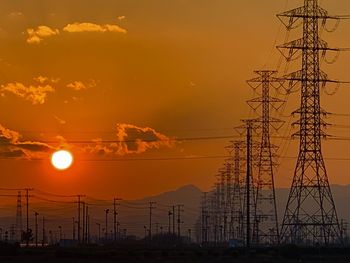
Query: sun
[62, 159]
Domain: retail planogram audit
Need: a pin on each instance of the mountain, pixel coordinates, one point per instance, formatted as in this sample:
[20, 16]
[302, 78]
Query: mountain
[134, 215]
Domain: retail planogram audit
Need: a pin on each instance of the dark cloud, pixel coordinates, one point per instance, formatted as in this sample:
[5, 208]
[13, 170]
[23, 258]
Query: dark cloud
[131, 139]
[12, 147]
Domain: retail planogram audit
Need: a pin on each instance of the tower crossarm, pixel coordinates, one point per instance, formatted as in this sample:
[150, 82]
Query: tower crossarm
[290, 18]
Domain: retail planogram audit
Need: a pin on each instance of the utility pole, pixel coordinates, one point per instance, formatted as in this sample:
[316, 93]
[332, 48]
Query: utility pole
[84, 218]
[204, 212]
[179, 222]
[87, 228]
[265, 225]
[173, 219]
[60, 231]
[36, 228]
[169, 221]
[73, 228]
[79, 216]
[151, 207]
[44, 234]
[86, 224]
[106, 225]
[115, 214]
[310, 214]
[99, 231]
[27, 215]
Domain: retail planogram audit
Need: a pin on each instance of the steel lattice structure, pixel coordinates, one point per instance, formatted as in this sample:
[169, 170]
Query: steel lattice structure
[236, 225]
[310, 216]
[19, 223]
[265, 225]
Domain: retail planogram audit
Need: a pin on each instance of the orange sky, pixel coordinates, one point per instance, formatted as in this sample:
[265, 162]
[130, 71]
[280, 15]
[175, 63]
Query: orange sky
[74, 70]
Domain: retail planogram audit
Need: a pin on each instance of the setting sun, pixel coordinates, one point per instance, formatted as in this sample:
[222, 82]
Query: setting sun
[62, 159]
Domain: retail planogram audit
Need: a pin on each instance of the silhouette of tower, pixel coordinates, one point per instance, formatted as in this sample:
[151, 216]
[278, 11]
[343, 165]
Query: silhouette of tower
[310, 216]
[265, 225]
[19, 226]
[236, 222]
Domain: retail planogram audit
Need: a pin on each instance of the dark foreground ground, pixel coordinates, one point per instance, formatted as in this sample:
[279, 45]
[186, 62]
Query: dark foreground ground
[171, 255]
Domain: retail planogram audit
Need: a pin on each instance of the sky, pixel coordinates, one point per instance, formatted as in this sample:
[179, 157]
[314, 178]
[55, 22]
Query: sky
[75, 74]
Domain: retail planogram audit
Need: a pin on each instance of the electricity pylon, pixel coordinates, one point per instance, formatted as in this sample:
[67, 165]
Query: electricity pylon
[265, 225]
[310, 216]
[19, 225]
[236, 207]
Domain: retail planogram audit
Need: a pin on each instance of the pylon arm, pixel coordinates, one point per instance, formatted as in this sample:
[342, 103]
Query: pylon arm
[321, 112]
[297, 76]
[298, 45]
[322, 123]
[300, 12]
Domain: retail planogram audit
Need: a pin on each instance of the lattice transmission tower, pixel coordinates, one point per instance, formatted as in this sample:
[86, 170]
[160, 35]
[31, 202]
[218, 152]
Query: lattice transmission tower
[265, 225]
[19, 221]
[310, 216]
[236, 212]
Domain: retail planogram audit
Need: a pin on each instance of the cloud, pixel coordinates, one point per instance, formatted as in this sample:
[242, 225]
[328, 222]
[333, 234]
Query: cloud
[12, 147]
[35, 94]
[60, 120]
[131, 139]
[120, 18]
[42, 79]
[36, 36]
[79, 85]
[91, 27]
[15, 14]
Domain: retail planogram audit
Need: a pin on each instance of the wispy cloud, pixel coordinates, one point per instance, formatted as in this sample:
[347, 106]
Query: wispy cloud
[77, 85]
[80, 85]
[12, 146]
[43, 80]
[131, 139]
[60, 120]
[37, 35]
[36, 94]
[16, 14]
[91, 27]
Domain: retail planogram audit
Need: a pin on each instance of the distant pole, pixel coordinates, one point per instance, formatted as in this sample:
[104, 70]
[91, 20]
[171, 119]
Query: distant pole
[27, 216]
[83, 215]
[115, 219]
[60, 229]
[106, 226]
[173, 220]
[99, 231]
[151, 207]
[88, 229]
[73, 229]
[36, 229]
[189, 235]
[86, 224]
[79, 196]
[179, 222]
[44, 237]
[169, 221]
[115, 222]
